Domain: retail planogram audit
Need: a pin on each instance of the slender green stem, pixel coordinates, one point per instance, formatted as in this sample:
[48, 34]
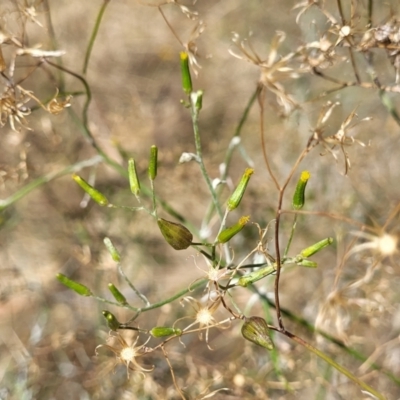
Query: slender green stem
[155, 305]
[291, 237]
[199, 152]
[132, 286]
[94, 35]
[231, 148]
[334, 364]
[47, 178]
[311, 328]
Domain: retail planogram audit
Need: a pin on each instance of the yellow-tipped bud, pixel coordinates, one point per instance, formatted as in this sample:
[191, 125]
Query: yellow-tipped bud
[255, 276]
[153, 162]
[117, 294]
[112, 321]
[228, 233]
[75, 286]
[255, 329]
[134, 182]
[90, 190]
[175, 234]
[236, 196]
[185, 70]
[315, 248]
[112, 250]
[298, 198]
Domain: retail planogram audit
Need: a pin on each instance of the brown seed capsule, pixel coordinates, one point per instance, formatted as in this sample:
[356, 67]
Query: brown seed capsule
[255, 329]
[175, 234]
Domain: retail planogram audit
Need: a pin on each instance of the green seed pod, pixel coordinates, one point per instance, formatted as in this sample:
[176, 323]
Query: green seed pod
[153, 162]
[117, 294]
[237, 195]
[186, 78]
[162, 331]
[134, 182]
[90, 190]
[112, 322]
[255, 276]
[315, 248]
[228, 233]
[112, 250]
[75, 286]
[298, 198]
[176, 235]
[255, 329]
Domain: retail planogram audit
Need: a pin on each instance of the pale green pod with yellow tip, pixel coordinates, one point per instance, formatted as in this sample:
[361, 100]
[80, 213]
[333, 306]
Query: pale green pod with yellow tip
[255, 276]
[112, 250]
[90, 190]
[117, 294]
[228, 233]
[185, 70]
[299, 198]
[153, 162]
[315, 248]
[134, 182]
[237, 195]
[75, 286]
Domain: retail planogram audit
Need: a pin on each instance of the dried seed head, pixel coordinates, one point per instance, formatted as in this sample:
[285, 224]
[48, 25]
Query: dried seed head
[176, 235]
[255, 329]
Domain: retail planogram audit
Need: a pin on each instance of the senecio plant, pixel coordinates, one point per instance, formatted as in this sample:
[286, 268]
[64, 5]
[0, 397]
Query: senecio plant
[235, 271]
[211, 298]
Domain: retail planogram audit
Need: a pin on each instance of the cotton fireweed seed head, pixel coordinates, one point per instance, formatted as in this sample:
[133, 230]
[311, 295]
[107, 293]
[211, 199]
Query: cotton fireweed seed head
[127, 354]
[204, 316]
[385, 244]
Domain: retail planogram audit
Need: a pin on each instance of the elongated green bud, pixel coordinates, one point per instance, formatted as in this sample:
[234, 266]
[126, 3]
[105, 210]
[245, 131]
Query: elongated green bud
[112, 322]
[75, 286]
[112, 250]
[162, 331]
[117, 294]
[228, 233]
[315, 248]
[298, 198]
[186, 78]
[175, 234]
[255, 276]
[90, 190]
[153, 162]
[255, 329]
[134, 182]
[236, 196]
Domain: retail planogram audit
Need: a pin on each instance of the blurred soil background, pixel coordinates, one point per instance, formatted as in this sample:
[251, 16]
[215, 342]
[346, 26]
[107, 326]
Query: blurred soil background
[48, 334]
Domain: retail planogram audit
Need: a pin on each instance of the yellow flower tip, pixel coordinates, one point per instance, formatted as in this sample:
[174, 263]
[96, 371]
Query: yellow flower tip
[249, 171]
[184, 56]
[244, 220]
[305, 176]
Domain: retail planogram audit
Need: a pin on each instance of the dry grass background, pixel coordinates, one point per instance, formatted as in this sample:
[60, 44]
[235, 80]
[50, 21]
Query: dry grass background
[48, 334]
